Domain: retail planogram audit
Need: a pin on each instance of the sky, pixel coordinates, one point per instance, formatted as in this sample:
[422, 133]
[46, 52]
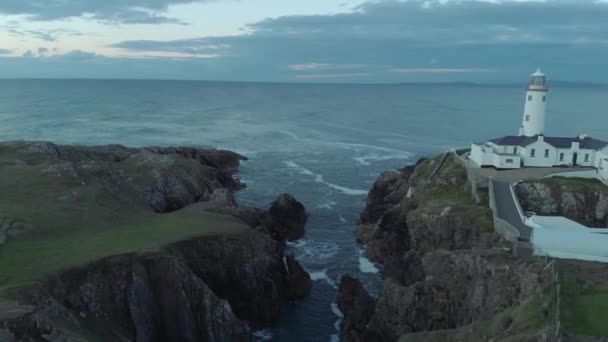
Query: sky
[350, 41]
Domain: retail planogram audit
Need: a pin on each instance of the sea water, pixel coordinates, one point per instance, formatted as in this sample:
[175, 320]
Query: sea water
[325, 144]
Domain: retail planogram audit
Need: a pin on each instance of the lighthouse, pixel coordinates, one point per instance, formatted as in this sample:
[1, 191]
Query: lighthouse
[536, 103]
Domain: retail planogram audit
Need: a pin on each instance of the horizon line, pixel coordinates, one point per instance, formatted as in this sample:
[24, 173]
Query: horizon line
[474, 83]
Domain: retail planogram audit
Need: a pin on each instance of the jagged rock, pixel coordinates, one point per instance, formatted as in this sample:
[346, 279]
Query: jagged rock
[288, 216]
[440, 271]
[457, 289]
[579, 200]
[207, 288]
[299, 283]
[245, 269]
[357, 305]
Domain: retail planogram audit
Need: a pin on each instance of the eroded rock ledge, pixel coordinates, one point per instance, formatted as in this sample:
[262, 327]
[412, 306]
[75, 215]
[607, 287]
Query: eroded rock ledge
[213, 287]
[444, 268]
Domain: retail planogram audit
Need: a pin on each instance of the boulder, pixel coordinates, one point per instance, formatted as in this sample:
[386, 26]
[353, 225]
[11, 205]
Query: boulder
[299, 283]
[357, 305]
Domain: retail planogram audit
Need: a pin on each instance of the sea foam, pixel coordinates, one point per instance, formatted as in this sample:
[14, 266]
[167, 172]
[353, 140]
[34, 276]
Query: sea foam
[320, 179]
[336, 310]
[365, 265]
[322, 276]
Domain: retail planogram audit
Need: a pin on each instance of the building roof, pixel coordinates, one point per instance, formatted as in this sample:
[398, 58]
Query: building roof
[557, 142]
[514, 140]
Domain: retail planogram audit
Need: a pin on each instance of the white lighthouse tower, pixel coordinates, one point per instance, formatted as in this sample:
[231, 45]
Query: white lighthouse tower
[536, 101]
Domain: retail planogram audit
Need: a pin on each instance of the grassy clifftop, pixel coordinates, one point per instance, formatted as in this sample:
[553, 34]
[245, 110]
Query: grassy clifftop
[66, 206]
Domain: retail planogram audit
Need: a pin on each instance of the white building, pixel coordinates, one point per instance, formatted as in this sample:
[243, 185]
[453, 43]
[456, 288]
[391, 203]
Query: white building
[531, 148]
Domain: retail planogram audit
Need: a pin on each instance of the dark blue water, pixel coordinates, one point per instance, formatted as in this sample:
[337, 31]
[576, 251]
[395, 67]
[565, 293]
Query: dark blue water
[326, 144]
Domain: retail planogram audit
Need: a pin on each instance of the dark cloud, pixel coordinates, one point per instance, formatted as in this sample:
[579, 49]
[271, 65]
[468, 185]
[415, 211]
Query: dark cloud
[388, 41]
[14, 28]
[110, 11]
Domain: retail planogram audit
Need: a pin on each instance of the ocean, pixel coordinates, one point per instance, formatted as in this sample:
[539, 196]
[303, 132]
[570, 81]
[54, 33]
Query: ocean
[325, 144]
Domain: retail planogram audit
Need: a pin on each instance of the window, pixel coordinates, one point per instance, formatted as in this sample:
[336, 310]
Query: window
[529, 97]
[544, 98]
[509, 161]
[587, 157]
[532, 153]
[561, 157]
[546, 153]
[515, 150]
[527, 117]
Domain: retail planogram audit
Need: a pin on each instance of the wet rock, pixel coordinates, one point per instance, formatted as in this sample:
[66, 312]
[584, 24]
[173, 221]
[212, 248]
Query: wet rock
[299, 283]
[288, 217]
[583, 201]
[357, 305]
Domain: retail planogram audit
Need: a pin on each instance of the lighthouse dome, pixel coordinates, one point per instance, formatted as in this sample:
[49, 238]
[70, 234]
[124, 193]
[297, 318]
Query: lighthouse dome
[538, 73]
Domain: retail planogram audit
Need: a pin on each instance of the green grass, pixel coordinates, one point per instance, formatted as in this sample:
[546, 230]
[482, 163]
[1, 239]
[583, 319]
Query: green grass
[451, 195]
[75, 220]
[528, 316]
[24, 260]
[584, 309]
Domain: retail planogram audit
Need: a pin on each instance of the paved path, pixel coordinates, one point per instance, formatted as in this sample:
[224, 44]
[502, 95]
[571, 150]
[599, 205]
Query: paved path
[506, 208]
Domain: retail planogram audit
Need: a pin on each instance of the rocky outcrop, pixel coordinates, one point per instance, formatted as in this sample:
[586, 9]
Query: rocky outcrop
[285, 220]
[358, 306]
[581, 200]
[455, 289]
[407, 210]
[213, 287]
[441, 271]
[204, 289]
[299, 283]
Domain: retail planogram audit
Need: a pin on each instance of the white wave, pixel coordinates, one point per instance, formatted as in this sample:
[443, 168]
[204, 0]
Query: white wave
[367, 159]
[297, 244]
[342, 219]
[317, 252]
[365, 265]
[336, 310]
[289, 134]
[262, 335]
[327, 205]
[322, 276]
[319, 179]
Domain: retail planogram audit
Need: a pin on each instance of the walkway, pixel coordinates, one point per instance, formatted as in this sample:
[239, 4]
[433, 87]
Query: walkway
[507, 209]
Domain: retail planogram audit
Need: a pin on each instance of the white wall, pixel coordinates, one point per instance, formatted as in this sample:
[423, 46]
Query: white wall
[575, 243]
[477, 154]
[539, 159]
[535, 111]
[506, 161]
[482, 155]
[601, 164]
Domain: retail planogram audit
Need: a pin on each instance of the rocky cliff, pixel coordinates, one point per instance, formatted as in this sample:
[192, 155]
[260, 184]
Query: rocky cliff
[581, 200]
[199, 268]
[444, 268]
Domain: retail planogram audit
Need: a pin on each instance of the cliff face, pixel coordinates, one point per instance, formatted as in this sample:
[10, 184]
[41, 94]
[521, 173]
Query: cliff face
[581, 200]
[443, 265]
[198, 290]
[224, 276]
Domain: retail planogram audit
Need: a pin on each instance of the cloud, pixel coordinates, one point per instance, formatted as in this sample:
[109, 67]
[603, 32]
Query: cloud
[109, 11]
[440, 70]
[394, 41]
[13, 28]
[325, 76]
[324, 66]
